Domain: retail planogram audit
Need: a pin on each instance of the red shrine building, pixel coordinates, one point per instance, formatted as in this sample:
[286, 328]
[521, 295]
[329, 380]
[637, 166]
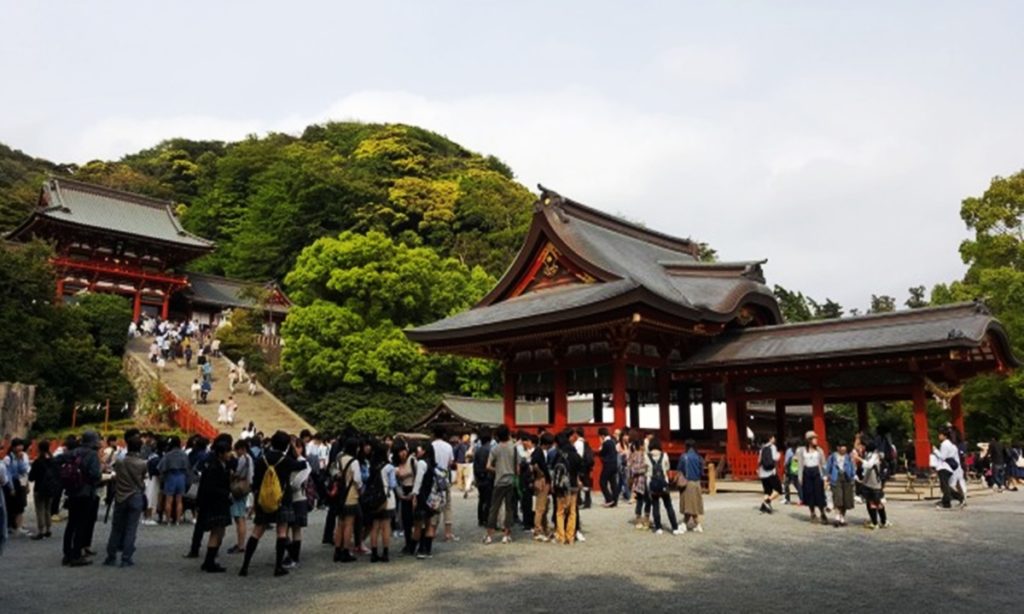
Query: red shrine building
[116, 242]
[597, 307]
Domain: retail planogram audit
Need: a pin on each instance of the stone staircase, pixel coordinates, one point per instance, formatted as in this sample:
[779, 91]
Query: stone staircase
[264, 409]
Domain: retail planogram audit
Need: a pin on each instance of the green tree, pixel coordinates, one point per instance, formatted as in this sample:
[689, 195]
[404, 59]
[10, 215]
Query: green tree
[68, 351]
[995, 259]
[917, 298]
[373, 421]
[794, 305]
[107, 317]
[882, 304]
[354, 294]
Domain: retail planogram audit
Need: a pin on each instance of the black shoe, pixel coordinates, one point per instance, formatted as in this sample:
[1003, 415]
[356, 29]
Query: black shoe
[243, 572]
[191, 555]
[47, 534]
[88, 552]
[37, 537]
[79, 562]
[346, 557]
[764, 508]
[280, 571]
[65, 561]
[375, 558]
[214, 568]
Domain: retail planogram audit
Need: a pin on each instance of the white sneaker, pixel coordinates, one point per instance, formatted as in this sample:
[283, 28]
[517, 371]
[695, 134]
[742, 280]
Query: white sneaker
[698, 529]
[659, 532]
[506, 540]
[579, 537]
[679, 532]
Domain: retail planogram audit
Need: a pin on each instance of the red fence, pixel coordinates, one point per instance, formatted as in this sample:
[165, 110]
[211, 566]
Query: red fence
[185, 416]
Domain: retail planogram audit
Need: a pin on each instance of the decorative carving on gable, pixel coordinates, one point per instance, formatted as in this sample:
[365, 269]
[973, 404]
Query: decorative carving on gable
[550, 268]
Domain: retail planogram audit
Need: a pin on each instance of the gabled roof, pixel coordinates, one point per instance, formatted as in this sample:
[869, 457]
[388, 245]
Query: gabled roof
[958, 326]
[224, 292]
[76, 203]
[617, 263]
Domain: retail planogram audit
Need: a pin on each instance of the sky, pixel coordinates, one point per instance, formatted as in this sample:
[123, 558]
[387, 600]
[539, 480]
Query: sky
[834, 139]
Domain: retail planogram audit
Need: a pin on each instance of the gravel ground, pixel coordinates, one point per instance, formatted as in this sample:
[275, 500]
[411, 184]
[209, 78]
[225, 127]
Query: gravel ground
[930, 560]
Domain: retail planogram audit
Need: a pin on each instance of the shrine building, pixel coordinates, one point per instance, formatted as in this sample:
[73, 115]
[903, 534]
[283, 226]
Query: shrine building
[116, 242]
[595, 307]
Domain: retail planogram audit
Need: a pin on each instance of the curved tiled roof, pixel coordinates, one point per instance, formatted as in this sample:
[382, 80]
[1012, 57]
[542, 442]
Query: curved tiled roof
[962, 325]
[78, 203]
[624, 260]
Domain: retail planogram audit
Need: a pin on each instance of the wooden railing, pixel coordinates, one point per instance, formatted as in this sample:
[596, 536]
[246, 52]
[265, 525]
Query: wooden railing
[184, 415]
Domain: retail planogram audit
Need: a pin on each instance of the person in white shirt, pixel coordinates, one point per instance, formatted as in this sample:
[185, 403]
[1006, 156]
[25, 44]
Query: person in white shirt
[444, 457]
[768, 473]
[196, 389]
[946, 461]
[222, 413]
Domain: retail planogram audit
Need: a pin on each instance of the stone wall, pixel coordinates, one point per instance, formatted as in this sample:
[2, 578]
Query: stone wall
[17, 409]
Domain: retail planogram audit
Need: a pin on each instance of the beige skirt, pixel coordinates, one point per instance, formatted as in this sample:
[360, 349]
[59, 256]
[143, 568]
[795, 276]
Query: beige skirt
[691, 501]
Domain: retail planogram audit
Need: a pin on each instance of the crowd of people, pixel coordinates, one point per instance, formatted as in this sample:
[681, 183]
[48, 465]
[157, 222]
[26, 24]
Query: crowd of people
[378, 491]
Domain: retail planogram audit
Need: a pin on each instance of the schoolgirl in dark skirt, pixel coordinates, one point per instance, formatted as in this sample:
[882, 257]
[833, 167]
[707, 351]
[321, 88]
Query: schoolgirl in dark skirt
[214, 503]
[281, 457]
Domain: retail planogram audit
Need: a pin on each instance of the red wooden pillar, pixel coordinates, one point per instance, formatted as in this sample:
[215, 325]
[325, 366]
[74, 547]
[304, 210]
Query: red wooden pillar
[664, 394]
[818, 411]
[705, 400]
[732, 428]
[561, 399]
[862, 416]
[508, 398]
[619, 393]
[166, 306]
[60, 291]
[137, 307]
[922, 442]
[780, 422]
[956, 408]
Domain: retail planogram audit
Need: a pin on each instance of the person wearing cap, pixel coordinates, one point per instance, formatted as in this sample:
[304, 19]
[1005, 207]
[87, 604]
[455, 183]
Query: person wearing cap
[811, 462]
[82, 502]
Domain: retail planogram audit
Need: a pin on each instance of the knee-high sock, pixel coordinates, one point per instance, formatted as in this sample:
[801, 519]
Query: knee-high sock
[281, 546]
[211, 556]
[294, 549]
[881, 515]
[250, 549]
[873, 514]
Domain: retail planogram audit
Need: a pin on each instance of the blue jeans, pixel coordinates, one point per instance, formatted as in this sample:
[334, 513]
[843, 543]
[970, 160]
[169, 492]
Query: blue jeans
[124, 526]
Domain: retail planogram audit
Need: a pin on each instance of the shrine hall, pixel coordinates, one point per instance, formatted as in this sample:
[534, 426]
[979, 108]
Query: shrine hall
[117, 242]
[596, 307]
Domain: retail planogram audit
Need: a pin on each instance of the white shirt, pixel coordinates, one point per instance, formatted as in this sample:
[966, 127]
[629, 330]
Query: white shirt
[443, 453]
[579, 446]
[222, 412]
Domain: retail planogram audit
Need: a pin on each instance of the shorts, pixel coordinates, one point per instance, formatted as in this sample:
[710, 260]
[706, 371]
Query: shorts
[175, 484]
[771, 484]
[239, 507]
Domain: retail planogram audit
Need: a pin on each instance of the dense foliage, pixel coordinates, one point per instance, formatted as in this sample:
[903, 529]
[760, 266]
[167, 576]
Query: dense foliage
[72, 352]
[995, 259]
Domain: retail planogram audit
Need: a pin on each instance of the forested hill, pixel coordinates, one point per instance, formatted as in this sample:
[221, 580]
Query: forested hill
[264, 199]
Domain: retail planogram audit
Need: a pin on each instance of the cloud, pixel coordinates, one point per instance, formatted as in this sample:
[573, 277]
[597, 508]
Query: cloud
[846, 192]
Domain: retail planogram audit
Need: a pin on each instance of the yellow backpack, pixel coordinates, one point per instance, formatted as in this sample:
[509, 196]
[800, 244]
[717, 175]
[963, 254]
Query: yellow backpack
[270, 488]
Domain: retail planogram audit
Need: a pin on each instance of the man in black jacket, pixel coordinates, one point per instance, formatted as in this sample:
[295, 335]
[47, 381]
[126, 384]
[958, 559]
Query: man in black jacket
[609, 468]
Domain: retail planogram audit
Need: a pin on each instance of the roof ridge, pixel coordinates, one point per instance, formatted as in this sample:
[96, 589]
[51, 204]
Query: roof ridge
[977, 306]
[95, 188]
[228, 279]
[572, 208]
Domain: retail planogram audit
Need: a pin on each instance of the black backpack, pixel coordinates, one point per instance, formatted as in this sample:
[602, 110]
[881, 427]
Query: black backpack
[560, 483]
[767, 460]
[480, 458]
[658, 484]
[374, 495]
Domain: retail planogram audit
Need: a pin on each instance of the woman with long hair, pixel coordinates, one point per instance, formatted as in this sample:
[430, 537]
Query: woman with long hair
[425, 515]
[405, 475]
[241, 487]
[380, 529]
[811, 460]
[638, 475]
[45, 478]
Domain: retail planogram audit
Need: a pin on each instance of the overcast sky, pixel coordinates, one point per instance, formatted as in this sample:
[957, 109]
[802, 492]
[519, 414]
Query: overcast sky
[836, 141]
